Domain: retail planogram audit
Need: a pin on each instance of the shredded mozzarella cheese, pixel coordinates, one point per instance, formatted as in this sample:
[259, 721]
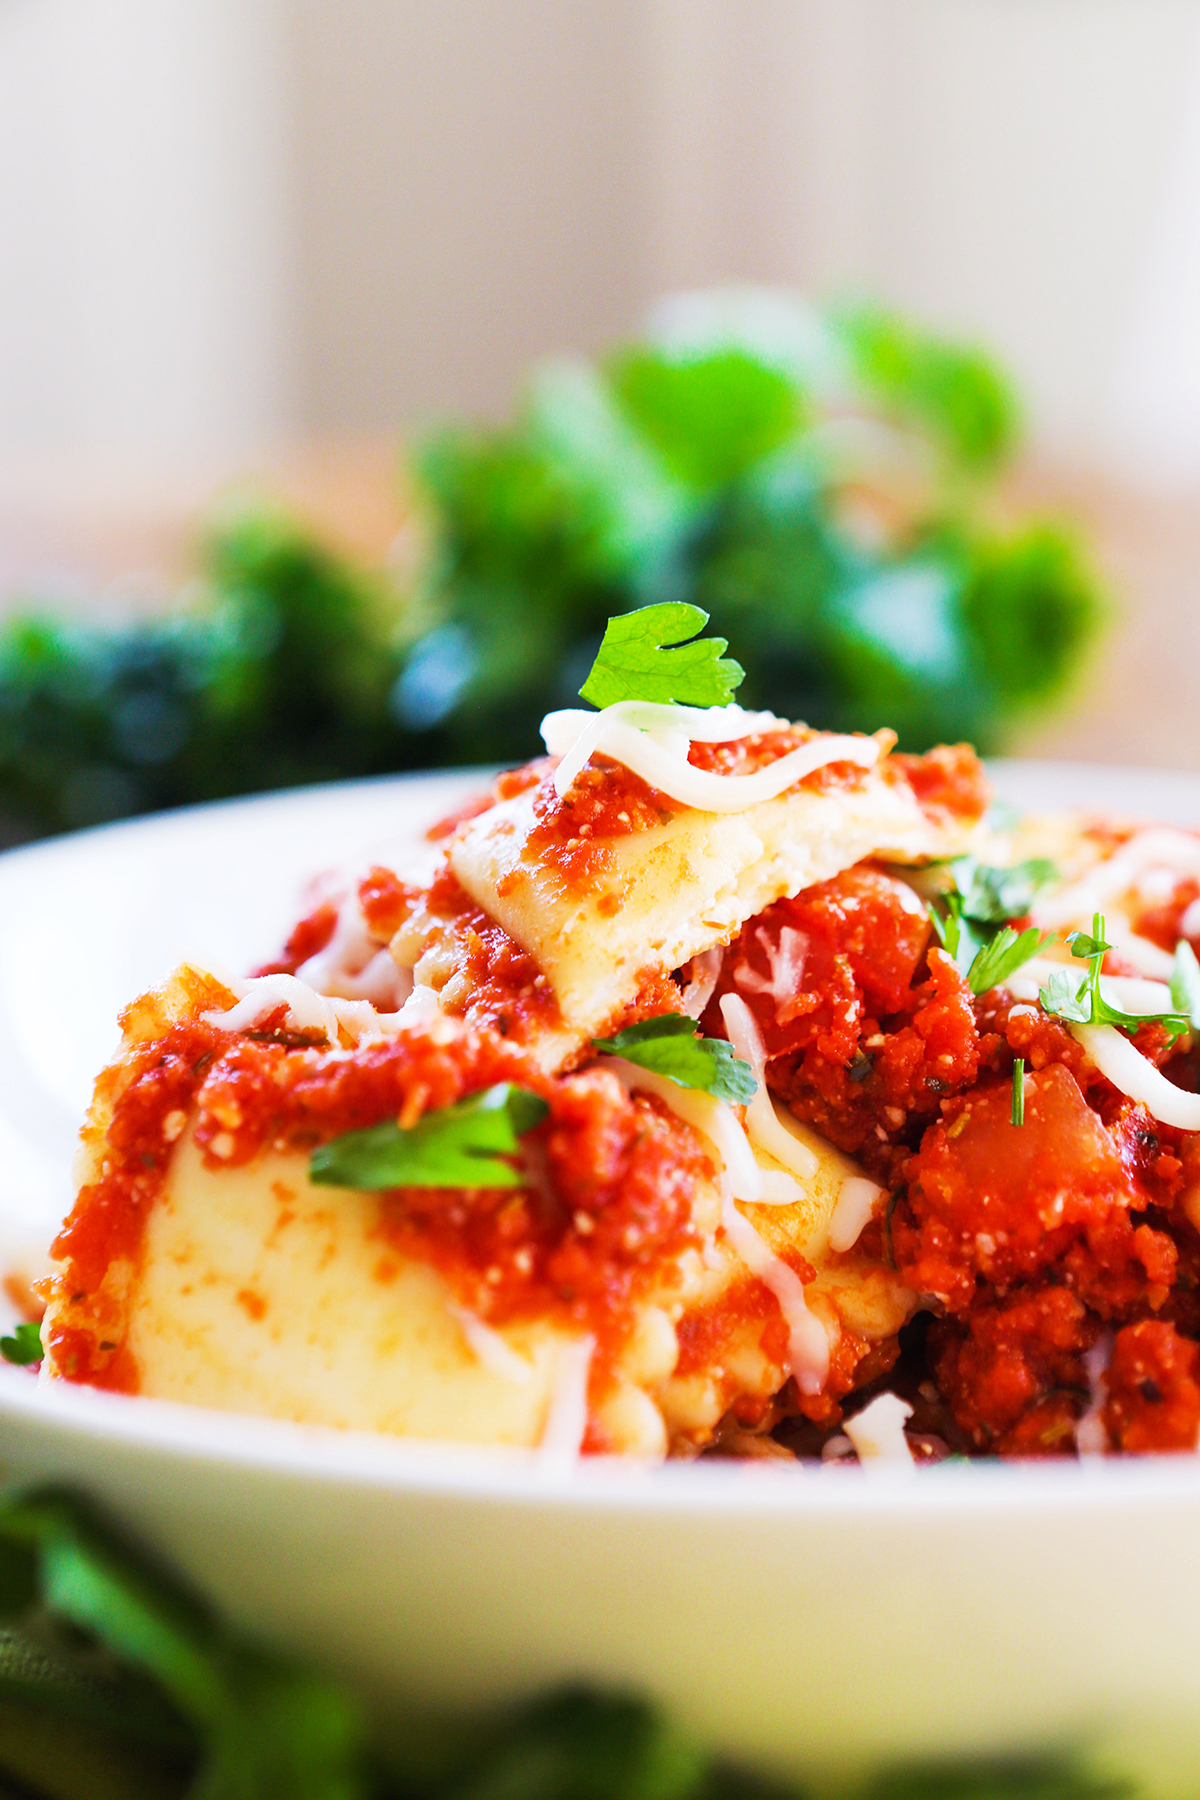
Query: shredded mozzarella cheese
[567, 1417]
[785, 959]
[763, 1123]
[1129, 993]
[1158, 848]
[651, 741]
[714, 1118]
[489, 1347]
[706, 972]
[354, 966]
[808, 1343]
[1131, 1073]
[877, 1433]
[855, 1204]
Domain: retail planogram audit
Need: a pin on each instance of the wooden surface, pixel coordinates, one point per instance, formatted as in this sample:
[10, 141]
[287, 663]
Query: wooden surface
[127, 538]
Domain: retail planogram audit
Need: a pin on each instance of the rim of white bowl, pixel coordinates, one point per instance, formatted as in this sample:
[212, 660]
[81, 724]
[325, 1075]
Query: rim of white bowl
[166, 1429]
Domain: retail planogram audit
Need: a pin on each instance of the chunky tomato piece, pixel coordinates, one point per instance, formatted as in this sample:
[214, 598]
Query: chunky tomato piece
[1153, 1390]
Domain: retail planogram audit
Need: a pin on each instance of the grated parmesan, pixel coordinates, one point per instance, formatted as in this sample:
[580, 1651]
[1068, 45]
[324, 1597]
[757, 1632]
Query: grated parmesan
[808, 1342]
[1133, 1074]
[855, 1204]
[567, 1417]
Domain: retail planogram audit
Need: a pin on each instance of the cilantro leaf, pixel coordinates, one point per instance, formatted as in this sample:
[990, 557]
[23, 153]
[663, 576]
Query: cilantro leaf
[645, 655]
[669, 1045]
[457, 1146]
[1185, 982]
[1062, 996]
[993, 896]
[1003, 957]
[1083, 1003]
[24, 1346]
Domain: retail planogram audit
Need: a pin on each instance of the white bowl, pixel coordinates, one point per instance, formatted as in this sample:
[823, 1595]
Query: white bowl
[805, 1620]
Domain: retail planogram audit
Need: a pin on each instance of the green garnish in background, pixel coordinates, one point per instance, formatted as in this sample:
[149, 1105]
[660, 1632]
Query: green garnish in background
[824, 493]
[670, 1045]
[117, 1682]
[463, 1145]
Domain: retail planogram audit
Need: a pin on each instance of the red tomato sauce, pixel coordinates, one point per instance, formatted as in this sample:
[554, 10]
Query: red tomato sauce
[609, 1201]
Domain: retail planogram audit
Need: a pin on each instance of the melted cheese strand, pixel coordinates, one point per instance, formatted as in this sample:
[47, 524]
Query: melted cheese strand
[877, 1433]
[1133, 1074]
[1159, 847]
[808, 1343]
[631, 733]
[567, 1418]
[855, 1204]
[489, 1348]
[763, 1123]
[713, 1118]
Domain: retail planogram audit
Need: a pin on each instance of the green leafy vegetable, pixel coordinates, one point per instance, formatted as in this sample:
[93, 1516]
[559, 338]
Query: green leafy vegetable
[636, 660]
[1185, 983]
[458, 1146]
[24, 1346]
[670, 1045]
[1018, 1090]
[147, 1664]
[1003, 957]
[1082, 1003]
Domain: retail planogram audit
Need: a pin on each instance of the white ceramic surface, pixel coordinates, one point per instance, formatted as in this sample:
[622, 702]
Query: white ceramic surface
[802, 1619]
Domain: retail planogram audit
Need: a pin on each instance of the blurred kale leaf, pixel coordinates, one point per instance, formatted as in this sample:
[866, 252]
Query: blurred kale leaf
[117, 1682]
[823, 484]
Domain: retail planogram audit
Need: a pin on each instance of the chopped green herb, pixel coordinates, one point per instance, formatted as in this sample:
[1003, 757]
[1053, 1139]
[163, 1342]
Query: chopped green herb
[1185, 982]
[1004, 956]
[992, 896]
[458, 1146]
[1018, 1091]
[670, 1045]
[645, 655]
[971, 916]
[1082, 1003]
[24, 1346]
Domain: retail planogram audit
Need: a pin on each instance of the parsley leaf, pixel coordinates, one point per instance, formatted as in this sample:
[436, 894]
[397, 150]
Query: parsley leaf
[1082, 1003]
[1004, 956]
[669, 1045]
[457, 1146]
[993, 896]
[972, 916]
[1185, 982]
[24, 1346]
[636, 660]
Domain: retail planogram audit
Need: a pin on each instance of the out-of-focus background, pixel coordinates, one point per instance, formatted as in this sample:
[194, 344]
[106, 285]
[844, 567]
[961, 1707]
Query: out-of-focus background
[282, 240]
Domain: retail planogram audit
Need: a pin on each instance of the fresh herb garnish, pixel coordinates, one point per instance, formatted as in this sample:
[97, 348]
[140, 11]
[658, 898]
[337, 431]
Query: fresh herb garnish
[1082, 1003]
[670, 1045]
[993, 895]
[1018, 1091]
[971, 917]
[24, 1346]
[1005, 954]
[1185, 982]
[645, 655]
[457, 1146]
